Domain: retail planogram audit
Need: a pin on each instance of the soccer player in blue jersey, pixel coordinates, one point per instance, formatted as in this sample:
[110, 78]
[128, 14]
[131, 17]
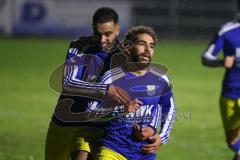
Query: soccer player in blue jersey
[146, 83]
[62, 135]
[228, 40]
[92, 56]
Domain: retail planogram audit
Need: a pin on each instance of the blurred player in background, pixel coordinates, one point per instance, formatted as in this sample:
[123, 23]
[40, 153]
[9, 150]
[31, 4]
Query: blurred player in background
[228, 40]
[91, 57]
[148, 84]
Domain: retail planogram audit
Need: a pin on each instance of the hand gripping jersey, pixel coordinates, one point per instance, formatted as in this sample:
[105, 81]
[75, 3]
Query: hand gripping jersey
[158, 108]
[228, 40]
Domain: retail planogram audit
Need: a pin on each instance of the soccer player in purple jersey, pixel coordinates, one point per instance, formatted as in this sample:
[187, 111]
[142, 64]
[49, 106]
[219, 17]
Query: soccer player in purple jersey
[146, 83]
[90, 56]
[228, 40]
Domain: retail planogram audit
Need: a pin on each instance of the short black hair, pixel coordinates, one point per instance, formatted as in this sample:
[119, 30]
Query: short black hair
[105, 14]
[134, 31]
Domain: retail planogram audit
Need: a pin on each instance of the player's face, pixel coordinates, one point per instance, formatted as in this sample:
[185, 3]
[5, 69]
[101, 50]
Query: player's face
[106, 33]
[143, 49]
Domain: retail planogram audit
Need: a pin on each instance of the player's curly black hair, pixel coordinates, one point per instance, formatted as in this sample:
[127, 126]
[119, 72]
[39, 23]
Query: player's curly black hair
[105, 14]
[132, 33]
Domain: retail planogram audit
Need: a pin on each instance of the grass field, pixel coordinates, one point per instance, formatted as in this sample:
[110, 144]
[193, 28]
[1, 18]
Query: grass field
[27, 102]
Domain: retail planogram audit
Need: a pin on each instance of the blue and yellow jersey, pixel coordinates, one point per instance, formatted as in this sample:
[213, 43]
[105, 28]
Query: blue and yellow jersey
[158, 109]
[84, 64]
[228, 40]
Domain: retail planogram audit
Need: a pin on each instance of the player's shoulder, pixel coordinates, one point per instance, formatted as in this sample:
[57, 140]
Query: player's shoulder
[229, 26]
[82, 40]
[160, 73]
[83, 44]
[113, 74]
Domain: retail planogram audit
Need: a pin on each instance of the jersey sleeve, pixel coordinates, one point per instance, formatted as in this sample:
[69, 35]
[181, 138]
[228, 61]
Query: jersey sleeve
[209, 57]
[214, 47]
[168, 111]
[95, 105]
[156, 118]
[74, 77]
[218, 43]
[103, 109]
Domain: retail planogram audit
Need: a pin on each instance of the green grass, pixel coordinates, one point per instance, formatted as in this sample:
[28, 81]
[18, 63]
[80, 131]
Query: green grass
[27, 101]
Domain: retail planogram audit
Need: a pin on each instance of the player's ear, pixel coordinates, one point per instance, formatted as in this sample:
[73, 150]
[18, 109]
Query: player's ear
[117, 29]
[128, 48]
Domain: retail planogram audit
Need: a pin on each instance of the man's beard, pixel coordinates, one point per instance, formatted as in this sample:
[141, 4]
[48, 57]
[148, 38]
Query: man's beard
[136, 64]
[140, 58]
[109, 47]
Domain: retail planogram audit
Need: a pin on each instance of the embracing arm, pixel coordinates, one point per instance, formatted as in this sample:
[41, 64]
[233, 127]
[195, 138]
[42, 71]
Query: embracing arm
[81, 72]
